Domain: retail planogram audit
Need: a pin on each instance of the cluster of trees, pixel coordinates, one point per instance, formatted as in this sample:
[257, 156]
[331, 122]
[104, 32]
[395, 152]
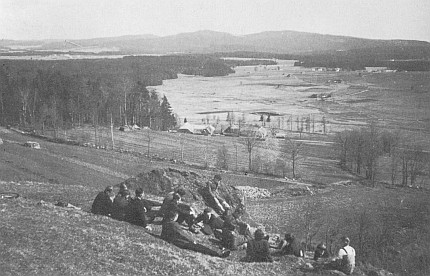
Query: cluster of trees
[410, 58]
[60, 94]
[361, 150]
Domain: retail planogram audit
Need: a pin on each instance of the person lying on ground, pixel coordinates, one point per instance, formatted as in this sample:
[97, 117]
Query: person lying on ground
[120, 204]
[212, 224]
[103, 203]
[172, 232]
[230, 239]
[172, 205]
[137, 210]
[257, 250]
[345, 260]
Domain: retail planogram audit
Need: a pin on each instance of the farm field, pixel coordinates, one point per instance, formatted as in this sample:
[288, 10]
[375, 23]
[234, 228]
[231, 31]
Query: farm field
[396, 100]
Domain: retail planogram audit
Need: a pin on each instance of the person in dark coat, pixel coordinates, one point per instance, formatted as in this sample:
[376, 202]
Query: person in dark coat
[230, 239]
[321, 252]
[257, 250]
[172, 232]
[171, 204]
[211, 222]
[138, 209]
[120, 205]
[291, 246]
[103, 203]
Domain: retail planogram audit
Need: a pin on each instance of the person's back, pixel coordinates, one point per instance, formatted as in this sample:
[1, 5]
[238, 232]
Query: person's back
[120, 205]
[345, 259]
[347, 256]
[103, 204]
[137, 209]
[257, 250]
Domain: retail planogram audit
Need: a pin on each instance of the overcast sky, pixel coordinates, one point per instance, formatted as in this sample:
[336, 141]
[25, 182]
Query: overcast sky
[74, 19]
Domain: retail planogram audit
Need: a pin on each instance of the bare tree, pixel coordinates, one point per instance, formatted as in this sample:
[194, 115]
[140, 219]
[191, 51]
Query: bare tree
[250, 142]
[311, 219]
[222, 158]
[149, 139]
[372, 150]
[290, 150]
[342, 139]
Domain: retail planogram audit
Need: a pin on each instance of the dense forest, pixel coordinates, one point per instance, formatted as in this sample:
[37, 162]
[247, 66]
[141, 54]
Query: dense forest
[62, 94]
[404, 59]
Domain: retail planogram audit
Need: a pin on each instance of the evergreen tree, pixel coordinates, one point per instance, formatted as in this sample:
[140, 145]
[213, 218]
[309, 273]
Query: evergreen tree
[168, 118]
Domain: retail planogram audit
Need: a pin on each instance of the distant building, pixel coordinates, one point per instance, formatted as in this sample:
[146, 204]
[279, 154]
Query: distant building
[196, 129]
[234, 130]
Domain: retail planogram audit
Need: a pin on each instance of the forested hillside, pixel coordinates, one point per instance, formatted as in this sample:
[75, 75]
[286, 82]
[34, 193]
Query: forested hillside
[53, 94]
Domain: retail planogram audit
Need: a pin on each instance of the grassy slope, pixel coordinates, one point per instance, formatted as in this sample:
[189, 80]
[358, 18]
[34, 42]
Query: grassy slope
[31, 232]
[43, 239]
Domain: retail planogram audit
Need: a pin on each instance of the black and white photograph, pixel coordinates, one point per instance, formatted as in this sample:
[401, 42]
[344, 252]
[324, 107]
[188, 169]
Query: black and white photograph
[223, 137]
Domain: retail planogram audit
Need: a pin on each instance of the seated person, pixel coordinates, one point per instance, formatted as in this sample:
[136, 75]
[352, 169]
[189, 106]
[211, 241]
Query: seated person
[173, 233]
[230, 239]
[320, 252]
[257, 250]
[138, 209]
[167, 199]
[211, 222]
[233, 218]
[120, 204]
[345, 260]
[291, 246]
[212, 197]
[103, 203]
[172, 205]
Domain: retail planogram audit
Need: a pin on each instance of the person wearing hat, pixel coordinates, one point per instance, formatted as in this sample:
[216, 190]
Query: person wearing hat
[120, 204]
[211, 222]
[345, 260]
[173, 233]
[138, 209]
[257, 250]
[103, 203]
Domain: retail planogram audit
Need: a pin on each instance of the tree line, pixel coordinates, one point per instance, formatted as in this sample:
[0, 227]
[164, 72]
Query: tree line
[361, 150]
[62, 94]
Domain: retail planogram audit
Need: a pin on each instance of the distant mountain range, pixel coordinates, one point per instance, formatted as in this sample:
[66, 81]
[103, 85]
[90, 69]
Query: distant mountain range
[279, 42]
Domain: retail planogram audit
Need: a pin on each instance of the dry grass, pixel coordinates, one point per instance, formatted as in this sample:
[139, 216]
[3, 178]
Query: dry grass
[38, 238]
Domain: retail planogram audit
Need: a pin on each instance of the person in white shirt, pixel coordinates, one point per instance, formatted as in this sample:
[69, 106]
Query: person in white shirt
[345, 260]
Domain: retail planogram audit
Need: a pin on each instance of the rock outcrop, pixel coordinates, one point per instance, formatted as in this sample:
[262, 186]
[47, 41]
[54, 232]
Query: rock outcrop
[159, 182]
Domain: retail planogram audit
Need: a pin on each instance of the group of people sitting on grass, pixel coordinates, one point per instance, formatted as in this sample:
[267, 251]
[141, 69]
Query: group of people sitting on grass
[225, 226]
